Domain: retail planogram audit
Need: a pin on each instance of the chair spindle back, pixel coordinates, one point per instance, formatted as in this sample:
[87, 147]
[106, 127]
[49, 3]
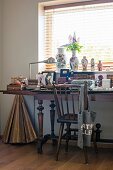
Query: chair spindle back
[67, 98]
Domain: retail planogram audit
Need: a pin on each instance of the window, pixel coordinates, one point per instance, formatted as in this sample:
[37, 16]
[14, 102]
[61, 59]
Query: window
[92, 23]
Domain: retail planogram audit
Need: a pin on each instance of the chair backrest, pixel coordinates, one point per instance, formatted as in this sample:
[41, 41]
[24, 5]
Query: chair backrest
[69, 97]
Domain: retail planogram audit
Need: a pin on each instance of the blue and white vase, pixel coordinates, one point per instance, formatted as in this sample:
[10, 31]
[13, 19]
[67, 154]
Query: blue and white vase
[74, 62]
[61, 59]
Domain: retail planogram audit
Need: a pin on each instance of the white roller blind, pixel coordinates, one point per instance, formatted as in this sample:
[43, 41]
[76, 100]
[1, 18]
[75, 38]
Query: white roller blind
[93, 24]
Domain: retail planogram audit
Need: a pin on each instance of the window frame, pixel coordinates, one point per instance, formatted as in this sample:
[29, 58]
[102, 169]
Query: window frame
[81, 3]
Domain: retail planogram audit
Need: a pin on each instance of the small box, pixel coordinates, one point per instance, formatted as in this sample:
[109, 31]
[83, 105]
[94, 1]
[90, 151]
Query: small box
[32, 82]
[15, 87]
[106, 83]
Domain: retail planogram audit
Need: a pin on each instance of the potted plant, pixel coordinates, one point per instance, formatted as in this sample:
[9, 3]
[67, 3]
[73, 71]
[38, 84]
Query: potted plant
[73, 46]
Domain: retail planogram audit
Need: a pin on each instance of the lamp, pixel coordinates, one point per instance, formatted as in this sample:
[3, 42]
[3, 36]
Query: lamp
[50, 60]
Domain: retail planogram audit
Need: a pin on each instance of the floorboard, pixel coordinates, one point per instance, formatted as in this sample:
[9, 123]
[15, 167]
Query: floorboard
[25, 157]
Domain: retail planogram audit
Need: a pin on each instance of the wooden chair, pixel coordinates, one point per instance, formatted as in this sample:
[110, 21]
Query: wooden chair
[67, 100]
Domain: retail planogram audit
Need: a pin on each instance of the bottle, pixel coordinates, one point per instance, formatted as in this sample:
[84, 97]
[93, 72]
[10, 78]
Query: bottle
[92, 64]
[99, 65]
[84, 62]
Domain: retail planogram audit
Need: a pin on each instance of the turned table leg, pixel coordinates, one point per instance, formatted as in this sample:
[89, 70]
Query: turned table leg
[43, 139]
[40, 124]
[52, 119]
[98, 131]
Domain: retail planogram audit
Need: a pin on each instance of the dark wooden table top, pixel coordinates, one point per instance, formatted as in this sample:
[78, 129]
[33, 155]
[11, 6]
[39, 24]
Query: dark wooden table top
[49, 91]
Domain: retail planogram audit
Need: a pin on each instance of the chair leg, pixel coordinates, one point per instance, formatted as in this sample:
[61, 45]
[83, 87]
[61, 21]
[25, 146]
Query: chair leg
[59, 139]
[85, 154]
[68, 136]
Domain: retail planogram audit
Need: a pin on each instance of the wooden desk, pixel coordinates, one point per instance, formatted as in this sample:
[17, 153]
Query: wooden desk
[48, 95]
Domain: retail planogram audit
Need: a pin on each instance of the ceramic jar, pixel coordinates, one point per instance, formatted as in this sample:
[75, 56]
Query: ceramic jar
[84, 63]
[61, 59]
[99, 65]
[92, 64]
[74, 62]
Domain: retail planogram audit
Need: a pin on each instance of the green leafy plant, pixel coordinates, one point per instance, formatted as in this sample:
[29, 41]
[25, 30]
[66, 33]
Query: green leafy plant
[74, 44]
[74, 47]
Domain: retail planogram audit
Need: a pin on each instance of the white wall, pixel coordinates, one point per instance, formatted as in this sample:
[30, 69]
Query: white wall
[0, 34]
[20, 37]
[0, 51]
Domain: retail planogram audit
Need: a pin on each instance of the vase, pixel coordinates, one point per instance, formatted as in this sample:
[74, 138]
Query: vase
[61, 59]
[92, 64]
[74, 62]
[84, 63]
[99, 65]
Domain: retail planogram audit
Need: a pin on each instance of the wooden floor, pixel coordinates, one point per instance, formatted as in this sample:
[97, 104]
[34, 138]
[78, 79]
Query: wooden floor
[25, 157]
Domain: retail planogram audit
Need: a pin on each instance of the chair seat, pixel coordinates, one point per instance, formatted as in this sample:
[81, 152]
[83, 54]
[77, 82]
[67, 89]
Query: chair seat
[68, 118]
